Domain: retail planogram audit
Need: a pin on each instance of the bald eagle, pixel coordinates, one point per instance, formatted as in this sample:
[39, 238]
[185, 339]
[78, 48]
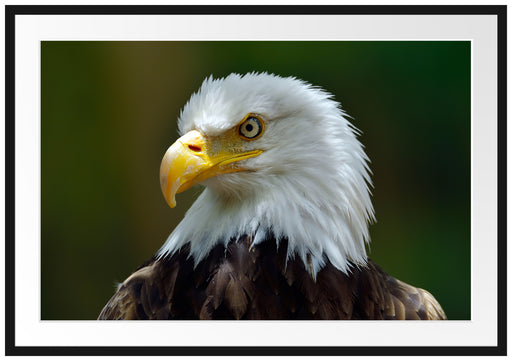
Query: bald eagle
[281, 227]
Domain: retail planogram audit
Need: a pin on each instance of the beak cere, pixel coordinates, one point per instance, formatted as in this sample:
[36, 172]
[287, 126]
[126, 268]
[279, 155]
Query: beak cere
[190, 160]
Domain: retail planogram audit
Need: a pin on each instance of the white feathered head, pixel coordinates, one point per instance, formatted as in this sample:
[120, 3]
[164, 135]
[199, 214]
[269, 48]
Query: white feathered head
[277, 156]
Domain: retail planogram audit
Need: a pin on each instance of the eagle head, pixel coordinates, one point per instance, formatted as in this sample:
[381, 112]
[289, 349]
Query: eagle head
[277, 156]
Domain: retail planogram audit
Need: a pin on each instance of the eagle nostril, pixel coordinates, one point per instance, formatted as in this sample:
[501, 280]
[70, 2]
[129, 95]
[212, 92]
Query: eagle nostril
[194, 148]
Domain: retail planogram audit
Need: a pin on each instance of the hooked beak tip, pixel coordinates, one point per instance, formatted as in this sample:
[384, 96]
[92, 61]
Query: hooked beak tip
[170, 199]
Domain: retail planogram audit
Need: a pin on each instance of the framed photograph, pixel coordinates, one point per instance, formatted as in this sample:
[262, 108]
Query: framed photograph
[96, 95]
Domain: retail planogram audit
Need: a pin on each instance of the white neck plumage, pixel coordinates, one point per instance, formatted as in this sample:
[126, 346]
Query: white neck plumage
[317, 228]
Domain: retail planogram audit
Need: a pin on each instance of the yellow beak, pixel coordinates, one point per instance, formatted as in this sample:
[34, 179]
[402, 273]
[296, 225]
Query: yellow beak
[194, 158]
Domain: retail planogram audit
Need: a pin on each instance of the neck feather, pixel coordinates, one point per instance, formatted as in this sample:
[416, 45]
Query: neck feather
[335, 229]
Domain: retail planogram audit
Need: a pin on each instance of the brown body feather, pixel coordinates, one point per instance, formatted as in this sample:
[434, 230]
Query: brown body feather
[239, 282]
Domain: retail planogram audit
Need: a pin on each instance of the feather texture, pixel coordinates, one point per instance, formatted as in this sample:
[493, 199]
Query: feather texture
[249, 283]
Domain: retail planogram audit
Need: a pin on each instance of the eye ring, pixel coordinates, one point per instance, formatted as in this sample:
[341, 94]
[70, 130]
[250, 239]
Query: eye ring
[251, 128]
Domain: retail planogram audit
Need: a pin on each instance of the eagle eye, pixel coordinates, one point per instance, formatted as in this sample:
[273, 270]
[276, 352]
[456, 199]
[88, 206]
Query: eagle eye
[251, 128]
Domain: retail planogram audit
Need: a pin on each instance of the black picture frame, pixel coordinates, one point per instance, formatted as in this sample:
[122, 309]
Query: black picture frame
[10, 18]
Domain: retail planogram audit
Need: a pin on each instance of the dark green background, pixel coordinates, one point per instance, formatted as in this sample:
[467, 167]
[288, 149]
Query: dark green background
[109, 112]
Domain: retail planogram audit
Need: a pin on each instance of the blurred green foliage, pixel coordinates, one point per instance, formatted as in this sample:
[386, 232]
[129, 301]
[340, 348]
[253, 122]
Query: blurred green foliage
[109, 112]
